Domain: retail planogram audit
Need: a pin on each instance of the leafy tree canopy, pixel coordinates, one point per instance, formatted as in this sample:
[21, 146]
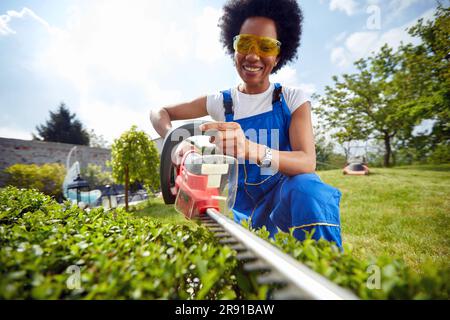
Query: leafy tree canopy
[97, 140]
[134, 157]
[429, 64]
[62, 127]
[395, 90]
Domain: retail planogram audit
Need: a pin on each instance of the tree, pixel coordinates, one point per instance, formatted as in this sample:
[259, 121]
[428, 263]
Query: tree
[393, 92]
[429, 64]
[63, 127]
[326, 157]
[95, 176]
[367, 105]
[134, 157]
[382, 101]
[97, 140]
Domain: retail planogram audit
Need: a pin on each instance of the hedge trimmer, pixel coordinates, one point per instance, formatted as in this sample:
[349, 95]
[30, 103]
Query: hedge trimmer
[203, 186]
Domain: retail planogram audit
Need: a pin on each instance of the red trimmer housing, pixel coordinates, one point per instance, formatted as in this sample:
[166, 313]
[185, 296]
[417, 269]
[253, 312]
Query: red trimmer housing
[203, 179]
[194, 195]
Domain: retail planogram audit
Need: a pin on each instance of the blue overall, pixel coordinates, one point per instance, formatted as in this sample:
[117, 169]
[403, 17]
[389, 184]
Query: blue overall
[302, 202]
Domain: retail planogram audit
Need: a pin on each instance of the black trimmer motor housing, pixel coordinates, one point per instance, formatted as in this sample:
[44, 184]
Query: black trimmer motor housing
[168, 170]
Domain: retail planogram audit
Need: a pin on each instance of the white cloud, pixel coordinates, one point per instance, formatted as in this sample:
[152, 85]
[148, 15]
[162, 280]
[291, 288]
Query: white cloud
[131, 46]
[336, 41]
[208, 47]
[287, 76]
[340, 37]
[361, 44]
[4, 27]
[131, 43]
[339, 57]
[401, 5]
[397, 7]
[393, 10]
[14, 132]
[125, 43]
[108, 119]
[308, 88]
[347, 6]
[6, 19]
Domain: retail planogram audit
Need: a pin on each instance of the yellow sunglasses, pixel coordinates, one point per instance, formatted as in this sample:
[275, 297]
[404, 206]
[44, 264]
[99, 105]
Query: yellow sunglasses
[262, 46]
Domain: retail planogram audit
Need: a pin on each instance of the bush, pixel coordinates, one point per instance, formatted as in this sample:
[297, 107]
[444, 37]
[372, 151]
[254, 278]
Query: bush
[396, 279]
[326, 158]
[95, 176]
[121, 256]
[441, 154]
[118, 255]
[47, 178]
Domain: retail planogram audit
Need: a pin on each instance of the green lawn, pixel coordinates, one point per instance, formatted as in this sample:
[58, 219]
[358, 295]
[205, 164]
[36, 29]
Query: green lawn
[402, 212]
[156, 209]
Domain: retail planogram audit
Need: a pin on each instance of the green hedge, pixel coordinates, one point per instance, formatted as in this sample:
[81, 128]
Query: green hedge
[396, 279]
[121, 256]
[47, 178]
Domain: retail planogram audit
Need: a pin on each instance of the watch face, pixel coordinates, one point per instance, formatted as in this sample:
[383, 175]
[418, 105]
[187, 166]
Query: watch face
[266, 163]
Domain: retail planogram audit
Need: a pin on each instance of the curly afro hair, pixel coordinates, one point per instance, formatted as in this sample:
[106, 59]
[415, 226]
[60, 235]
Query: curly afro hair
[286, 14]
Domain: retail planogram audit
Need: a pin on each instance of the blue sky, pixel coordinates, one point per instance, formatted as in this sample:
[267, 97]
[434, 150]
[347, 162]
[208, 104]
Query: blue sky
[112, 61]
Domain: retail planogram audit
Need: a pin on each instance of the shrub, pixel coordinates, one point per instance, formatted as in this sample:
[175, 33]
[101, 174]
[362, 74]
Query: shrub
[441, 154]
[397, 280]
[95, 176]
[47, 178]
[118, 255]
[121, 256]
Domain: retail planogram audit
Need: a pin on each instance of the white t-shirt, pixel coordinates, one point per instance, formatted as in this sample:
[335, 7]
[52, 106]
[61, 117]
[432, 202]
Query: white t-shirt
[247, 105]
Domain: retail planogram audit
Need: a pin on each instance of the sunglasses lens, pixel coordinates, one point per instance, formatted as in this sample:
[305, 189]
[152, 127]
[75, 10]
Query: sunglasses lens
[243, 44]
[268, 47]
[263, 46]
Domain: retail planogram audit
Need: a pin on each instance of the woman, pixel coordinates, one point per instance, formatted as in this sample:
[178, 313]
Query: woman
[266, 124]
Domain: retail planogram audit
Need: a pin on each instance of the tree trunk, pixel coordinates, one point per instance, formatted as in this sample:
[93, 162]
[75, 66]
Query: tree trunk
[387, 152]
[346, 151]
[126, 187]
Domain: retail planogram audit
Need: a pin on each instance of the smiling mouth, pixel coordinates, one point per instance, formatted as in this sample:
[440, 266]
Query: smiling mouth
[252, 69]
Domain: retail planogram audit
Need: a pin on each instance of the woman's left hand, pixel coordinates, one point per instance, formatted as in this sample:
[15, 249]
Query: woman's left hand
[228, 137]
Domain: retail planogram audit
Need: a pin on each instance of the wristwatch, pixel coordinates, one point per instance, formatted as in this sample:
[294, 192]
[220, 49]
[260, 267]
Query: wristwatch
[266, 161]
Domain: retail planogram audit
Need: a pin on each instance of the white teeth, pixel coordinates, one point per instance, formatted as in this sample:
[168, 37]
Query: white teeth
[252, 69]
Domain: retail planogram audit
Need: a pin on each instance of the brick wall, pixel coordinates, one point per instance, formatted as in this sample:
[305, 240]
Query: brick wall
[14, 151]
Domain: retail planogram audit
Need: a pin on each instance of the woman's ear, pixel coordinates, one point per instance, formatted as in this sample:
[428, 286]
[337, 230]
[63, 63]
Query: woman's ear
[276, 61]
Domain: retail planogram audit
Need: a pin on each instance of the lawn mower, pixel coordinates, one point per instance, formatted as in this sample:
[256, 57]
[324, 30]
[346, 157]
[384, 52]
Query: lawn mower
[356, 166]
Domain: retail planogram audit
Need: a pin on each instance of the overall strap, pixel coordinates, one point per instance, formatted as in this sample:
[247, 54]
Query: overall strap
[277, 93]
[228, 105]
[278, 101]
